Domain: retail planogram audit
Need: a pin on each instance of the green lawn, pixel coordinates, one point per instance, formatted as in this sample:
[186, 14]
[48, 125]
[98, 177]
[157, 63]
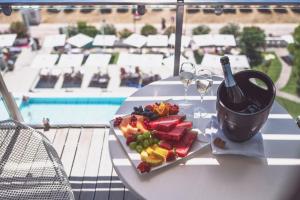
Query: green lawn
[114, 58]
[292, 107]
[291, 85]
[273, 69]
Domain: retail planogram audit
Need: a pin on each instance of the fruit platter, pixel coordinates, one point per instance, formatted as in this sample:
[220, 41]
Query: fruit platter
[156, 135]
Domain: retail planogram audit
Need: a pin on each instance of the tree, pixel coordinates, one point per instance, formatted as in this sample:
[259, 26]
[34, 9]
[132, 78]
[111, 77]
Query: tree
[252, 40]
[148, 30]
[19, 28]
[125, 33]
[294, 49]
[86, 29]
[109, 29]
[170, 30]
[232, 29]
[200, 30]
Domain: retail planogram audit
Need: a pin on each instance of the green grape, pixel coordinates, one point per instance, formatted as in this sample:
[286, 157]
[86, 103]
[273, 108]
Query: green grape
[151, 141]
[156, 141]
[147, 135]
[132, 145]
[140, 137]
[139, 148]
[146, 143]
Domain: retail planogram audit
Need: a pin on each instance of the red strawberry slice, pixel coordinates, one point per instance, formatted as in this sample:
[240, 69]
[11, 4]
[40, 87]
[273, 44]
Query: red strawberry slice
[170, 156]
[166, 123]
[185, 124]
[184, 145]
[144, 167]
[166, 144]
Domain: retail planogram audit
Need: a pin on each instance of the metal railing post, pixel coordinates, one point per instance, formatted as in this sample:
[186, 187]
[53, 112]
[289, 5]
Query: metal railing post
[178, 34]
[9, 102]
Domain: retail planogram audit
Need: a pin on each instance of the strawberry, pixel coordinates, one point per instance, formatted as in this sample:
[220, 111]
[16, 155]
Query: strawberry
[174, 109]
[130, 138]
[144, 167]
[146, 124]
[133, 121]
[170, 156]
[118, 121]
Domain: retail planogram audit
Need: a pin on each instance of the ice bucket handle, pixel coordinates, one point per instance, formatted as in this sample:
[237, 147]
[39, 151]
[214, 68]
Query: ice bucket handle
[263, 77]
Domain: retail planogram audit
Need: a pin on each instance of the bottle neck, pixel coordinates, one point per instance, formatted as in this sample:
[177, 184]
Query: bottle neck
[229, 80]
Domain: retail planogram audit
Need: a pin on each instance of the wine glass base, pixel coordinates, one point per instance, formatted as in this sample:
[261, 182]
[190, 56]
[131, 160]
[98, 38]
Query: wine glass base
[200, 112]
[185, 105]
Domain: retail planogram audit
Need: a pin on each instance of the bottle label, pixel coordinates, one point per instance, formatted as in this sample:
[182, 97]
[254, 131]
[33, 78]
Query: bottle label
[229, 80]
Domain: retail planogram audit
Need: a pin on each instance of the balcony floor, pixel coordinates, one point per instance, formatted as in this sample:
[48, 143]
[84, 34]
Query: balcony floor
[84, 154]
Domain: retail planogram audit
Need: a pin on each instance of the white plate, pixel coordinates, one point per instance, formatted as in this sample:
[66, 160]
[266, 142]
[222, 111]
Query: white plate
[135, 157]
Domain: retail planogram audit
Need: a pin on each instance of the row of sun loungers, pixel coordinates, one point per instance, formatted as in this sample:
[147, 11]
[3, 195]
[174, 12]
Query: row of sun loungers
[71, 78]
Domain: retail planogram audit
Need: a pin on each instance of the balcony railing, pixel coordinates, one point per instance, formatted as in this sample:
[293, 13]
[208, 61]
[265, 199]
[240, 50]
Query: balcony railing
[180, 4]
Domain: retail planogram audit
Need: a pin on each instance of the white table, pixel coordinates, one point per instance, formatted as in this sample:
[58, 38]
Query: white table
[215, 177]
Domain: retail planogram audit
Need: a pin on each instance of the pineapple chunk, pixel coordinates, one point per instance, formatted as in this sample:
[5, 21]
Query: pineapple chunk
[149, 150]
[144, 155]
[154, 160]
[161, 152]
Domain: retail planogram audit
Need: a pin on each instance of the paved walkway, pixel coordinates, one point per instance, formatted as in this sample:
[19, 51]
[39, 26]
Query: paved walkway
[286, 70]
[288, 96]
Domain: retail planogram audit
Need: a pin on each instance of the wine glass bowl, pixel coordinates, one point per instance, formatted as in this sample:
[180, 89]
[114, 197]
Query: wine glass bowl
[204, 82]
[186, 75]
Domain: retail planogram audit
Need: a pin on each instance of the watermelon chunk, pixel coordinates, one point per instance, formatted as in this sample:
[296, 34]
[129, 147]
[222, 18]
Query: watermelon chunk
[166, 144]
[185, 124]
[174, 135]
[166, 123]
[183, 146]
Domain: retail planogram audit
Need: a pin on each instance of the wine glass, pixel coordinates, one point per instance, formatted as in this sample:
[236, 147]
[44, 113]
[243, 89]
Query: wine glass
[204, 82]
[187, 72]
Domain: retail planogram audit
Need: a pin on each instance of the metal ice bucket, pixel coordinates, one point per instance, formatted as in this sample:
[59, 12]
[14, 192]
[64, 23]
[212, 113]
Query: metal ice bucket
[240, 127]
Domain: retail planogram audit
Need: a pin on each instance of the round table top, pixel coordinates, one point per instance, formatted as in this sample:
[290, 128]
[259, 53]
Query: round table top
[208, 176]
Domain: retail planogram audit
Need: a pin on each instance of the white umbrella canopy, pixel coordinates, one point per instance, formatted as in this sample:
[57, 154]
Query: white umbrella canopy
[157, 41]
[148, 63]
[7, 40]
[185, 40]
[136, 40]
[70, 60]
[97, 60]
[288, 39]
[212, 62]
[219, 40]
[80, 40]
[51, 41]
[169, 61]
[104, 40]
[44, 60]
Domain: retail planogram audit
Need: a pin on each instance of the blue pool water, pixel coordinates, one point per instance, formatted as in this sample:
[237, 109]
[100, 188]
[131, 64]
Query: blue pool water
[70, 110]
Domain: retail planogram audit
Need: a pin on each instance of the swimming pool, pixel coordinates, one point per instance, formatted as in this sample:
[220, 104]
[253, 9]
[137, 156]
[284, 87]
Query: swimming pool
[85, 111]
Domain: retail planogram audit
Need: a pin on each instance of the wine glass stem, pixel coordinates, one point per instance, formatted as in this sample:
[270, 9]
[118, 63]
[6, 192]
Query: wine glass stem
[185, 93]
[201, 98]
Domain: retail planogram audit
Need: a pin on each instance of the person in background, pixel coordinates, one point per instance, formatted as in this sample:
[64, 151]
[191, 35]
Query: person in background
[163, 23]
[46, 123]
[25, 99]
[138, 75]
[123, 73]
[123, 77]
